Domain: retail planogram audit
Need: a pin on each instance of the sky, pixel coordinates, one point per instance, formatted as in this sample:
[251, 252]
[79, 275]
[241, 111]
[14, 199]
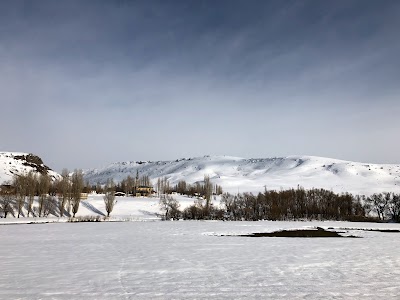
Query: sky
[87, 83]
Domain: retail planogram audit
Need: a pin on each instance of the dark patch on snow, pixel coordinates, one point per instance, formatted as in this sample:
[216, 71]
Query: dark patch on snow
[33, 161]
[297, 233]
[372, 229]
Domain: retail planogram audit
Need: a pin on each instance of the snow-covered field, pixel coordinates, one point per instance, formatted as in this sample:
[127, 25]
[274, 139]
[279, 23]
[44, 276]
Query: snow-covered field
[125, 209]
[190, 260]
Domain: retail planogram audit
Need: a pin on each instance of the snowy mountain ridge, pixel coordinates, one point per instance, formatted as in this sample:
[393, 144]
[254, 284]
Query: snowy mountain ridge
[235, 174]
[17, 163]
[253, 175]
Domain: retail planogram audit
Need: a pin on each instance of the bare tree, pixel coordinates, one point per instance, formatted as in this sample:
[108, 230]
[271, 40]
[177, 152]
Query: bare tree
[64, 191]
[31, 184]
[19, 182]
[394, 207]
[76, 190]
[136, 183]
[6, 200]
[170, 206]
[49, 206]
[158, 187]
[207, 191]
[379, 203]
[109, 197]
[43, 190]
[130, 182]
[163, 186]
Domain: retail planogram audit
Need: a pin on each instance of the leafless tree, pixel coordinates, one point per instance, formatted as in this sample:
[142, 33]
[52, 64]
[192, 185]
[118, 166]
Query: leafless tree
[136, 183]
[163, 186]
[170, 206]
[64, 191]
[130, 182]
[6, 200]
[109, 197]
[207, 191]
[379, 203]
[158, 187]
[394, 207]
[43, 190]
[99, 188]
[19, 182]
[145, 181]
[31, 184]
[76, 190]
[49, 206]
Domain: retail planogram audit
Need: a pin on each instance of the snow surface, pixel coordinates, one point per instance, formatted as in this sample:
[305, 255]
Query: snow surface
[125, 209]
[253, 175]
[190, 260]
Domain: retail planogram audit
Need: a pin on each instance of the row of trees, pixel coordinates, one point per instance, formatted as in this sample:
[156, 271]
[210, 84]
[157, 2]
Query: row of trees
[128, 185]
[385, 205]
[62, 197]
[205, 188]
[292, 204]
[58, 197]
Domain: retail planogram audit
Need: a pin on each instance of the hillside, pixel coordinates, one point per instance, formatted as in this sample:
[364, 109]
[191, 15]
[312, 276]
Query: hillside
[253, 175]
[14, 163]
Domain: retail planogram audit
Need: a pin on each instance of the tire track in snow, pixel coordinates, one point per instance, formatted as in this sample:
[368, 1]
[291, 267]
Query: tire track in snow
[122, 264]
[120, 278]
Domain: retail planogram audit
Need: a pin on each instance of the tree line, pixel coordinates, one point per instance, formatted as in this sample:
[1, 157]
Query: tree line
[58, 197]
[205, 188]
[129, 185]
[62, 197]
[291, 204]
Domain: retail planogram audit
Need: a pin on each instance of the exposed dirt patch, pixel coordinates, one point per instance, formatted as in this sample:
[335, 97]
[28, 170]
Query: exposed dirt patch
[371, 229]
[298, 233]
[34, 162]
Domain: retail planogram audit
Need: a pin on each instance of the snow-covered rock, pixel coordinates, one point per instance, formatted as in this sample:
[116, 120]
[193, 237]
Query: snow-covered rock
[16, 163]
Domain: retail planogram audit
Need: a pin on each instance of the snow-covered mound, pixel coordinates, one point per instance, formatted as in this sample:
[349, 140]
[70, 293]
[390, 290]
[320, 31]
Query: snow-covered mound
[253, 175]
[15, 163]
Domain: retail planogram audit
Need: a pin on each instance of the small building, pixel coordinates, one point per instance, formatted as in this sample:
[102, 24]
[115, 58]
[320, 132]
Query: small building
[7, 189]
[144, 191]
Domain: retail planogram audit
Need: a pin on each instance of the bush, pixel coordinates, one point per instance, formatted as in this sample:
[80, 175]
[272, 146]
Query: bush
[86, 219]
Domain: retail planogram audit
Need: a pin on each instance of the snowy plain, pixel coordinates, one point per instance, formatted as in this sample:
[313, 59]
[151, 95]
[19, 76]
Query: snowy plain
[191, 260]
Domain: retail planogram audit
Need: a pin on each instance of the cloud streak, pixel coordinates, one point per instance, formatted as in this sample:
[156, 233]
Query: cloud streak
[88, 83]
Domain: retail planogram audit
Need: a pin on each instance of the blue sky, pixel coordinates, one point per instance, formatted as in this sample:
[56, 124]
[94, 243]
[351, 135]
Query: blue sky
[87, 83]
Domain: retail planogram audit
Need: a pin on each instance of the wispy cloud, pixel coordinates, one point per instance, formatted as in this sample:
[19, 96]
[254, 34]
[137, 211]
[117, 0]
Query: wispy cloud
[99, 81]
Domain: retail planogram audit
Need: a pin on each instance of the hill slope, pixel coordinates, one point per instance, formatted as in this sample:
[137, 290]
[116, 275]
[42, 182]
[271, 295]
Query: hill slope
[253, 175]
[14, 163]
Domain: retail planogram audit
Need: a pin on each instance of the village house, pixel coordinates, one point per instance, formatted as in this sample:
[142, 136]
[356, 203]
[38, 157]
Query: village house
[143, 190]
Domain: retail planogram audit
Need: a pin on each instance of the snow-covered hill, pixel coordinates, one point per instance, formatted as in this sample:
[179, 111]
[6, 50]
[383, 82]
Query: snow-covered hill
[14, 163]
[253, 175]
